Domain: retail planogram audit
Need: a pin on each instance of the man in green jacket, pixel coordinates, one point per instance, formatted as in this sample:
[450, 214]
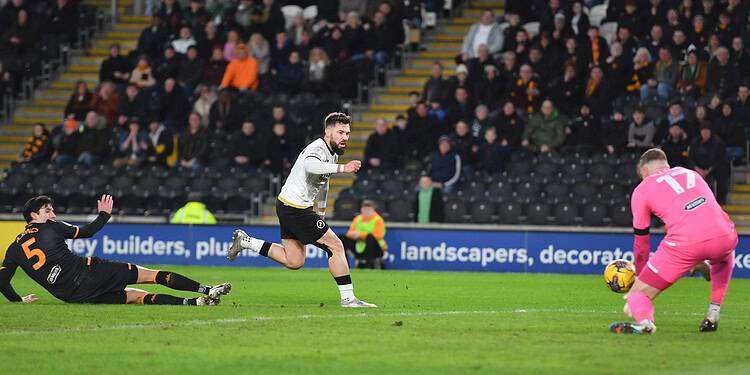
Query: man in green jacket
[193, 212]
[545, 131]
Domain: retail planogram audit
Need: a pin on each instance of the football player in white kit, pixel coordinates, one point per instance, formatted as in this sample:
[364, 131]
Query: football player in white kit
[300, 225]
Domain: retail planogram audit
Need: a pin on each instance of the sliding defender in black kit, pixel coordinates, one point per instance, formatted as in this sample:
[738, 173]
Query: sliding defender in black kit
[41, 251]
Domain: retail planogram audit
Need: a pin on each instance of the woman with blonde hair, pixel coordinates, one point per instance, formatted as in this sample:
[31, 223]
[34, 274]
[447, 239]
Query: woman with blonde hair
[642, 71]
[317, 70]
[261, 51]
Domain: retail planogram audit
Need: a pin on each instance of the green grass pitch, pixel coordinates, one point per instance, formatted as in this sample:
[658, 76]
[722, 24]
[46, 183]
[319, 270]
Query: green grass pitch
[277, 321]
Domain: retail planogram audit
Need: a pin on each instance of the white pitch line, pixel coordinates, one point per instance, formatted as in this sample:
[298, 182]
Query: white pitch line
[191, 323]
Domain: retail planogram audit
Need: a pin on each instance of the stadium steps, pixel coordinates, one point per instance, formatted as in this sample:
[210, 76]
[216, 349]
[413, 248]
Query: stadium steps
[738, 201]
[441, 44]
[49, 102]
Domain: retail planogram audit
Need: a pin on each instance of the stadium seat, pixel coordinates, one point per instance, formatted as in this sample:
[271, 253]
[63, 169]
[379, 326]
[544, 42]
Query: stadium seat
[612, 193]
[482, 212]
[608, 31]
[290, 12]
[509, 212]
[546, 168]
[364, 188]
[621, 215]
[346, 208]
[310, 12]
[556, 192]
[584, 193]
[475, 190]
[501, 190]
[527, 191]
[565, 213]
[601, 173]
[537, 213]
[455, 211]
[519, 169]
[400, 210]
[594, 214]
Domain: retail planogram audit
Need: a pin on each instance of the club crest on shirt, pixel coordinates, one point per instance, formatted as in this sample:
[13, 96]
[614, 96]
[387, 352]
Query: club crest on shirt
[695, 203]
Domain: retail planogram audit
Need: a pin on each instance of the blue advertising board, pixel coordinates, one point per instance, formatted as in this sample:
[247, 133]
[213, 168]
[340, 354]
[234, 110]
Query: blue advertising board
[409, 249]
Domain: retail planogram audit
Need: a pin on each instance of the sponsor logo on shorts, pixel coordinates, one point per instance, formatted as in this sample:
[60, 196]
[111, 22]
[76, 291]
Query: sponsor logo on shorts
[651, 266]
[320, 224]
[695, 203]
[53, 274]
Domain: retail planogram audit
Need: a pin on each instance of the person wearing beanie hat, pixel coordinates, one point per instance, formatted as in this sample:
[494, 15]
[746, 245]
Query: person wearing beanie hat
[445, 165]
[242, 72]
[709, 157]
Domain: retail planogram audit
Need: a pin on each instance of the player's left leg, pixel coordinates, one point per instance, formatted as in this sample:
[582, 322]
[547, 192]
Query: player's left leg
[338, 265]
[176, 281]
[142, 297]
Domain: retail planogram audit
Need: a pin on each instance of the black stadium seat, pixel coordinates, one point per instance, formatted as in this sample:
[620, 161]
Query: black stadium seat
[346, 208]
[556, 192]
[565, 213]
[508, 212]
[621, 215]
[400, 210]
[537, 213]
[594, 214]
[455, 211]
[482, 212]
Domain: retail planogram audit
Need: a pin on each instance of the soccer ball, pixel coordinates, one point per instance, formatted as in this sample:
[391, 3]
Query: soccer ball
[619, 275]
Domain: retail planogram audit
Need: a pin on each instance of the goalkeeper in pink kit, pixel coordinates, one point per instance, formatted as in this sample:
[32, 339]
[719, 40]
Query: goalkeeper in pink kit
[698, 230]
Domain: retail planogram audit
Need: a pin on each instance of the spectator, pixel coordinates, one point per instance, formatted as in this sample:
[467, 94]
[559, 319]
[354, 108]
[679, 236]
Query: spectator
[65, 144]
[526, 91]
[242, 72]
[133, 106]
[203, 104]
[461, 109]
[291, 75]
[597, 93]
[491, 89]
[423, 130]
[39, 147]
[115, 68]
[215, 68]
[465, 145]
[487, 31]
[152, 39]
[20, 39]
[584, 132]
[233, 40]
[641, 131]
[195, 14]
[642, 73]
[128, 147]
[722, 75]
[692, 81]
[665, 77]
[568, 91]
[93, 141]
[428, 207]
[437, 88]
[491, 154]
[171, 12]
[79, 103]
[481, 121]
[159, 145]
[383, 40]
[740, 57]
[512, 127]
[376, 149]
[173, 104]
[741, 106]
[281, 150]
[730, 131]
[545, 131]
[281, 49]
[193, 212]
[445, 166]
[400, 147]
[461, 80]
[142, 76]
[676, 147]
[355, 37]
[596, 47]
[615, 133]
[366, 237]
[708, 155]
[261, 52]
[210, 40]
[63, 22]
[191, 70]
[248, 148]
[225, 113]
[298, 28]
[192, 144]
[675, 114]
[106, 102]
[318, 71]
[168, 66]
[579, 21]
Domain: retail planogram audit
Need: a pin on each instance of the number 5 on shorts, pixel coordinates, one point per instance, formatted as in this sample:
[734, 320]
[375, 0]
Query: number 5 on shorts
[30, 253]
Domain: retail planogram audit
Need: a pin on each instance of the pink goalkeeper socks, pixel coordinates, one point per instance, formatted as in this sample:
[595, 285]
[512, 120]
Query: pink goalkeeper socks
[641, 307]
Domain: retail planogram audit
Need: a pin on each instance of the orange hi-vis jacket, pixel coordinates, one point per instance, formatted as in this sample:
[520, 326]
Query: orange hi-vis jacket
[241, 74]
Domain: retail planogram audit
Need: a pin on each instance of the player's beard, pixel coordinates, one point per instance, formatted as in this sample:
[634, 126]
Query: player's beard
[336, 149]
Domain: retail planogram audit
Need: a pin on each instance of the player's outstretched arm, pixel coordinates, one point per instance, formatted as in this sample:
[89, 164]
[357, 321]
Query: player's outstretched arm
[6, 274]
[104, 205]
[315, 166]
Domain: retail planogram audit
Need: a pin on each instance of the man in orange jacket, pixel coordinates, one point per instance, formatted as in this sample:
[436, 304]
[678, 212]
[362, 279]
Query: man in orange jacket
[242, 72]
[365, 238]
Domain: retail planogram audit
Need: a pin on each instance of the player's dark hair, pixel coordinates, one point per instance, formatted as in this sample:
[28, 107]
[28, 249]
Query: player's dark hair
[337, 118]
[652, 155]
[34, 205]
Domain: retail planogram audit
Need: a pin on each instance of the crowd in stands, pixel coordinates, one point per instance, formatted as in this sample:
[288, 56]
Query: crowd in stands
[230, 81]
[542, 78]
[32, 32]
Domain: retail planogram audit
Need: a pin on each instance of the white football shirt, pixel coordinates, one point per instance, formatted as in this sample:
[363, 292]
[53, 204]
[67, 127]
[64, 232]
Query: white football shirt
[301, 187]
